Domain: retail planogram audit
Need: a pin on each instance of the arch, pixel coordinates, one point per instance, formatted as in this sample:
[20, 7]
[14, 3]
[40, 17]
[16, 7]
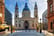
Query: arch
[26, 24]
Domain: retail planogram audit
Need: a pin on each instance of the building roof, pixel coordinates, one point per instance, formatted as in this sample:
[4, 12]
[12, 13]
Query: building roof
[26, 7]
[16, 6]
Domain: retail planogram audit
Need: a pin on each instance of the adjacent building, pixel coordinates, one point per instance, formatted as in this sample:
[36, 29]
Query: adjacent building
[5, 15]
[2, 7]
[8, 17]
[45, 20]
[50, 15]
[26, 21]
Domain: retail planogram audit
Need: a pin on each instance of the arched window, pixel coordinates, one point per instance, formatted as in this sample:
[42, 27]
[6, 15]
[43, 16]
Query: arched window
[51, 8]
[16, 25]
[19, 25]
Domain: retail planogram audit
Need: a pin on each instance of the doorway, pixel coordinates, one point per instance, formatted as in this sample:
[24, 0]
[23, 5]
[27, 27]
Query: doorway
[26, 25]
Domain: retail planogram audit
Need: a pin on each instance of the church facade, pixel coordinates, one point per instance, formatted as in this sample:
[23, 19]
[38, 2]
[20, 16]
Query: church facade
[26, 21]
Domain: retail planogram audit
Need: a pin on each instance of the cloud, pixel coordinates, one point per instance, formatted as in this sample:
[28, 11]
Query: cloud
[31, 6]
[42, 6]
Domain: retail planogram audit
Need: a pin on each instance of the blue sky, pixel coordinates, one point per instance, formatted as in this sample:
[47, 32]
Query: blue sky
[42, 6]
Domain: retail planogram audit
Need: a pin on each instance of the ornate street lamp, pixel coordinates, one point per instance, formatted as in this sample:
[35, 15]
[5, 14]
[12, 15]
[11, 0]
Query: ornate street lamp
[40, 27]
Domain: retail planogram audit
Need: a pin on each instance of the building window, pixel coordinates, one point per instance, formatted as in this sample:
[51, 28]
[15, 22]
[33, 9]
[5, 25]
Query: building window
[51, 25]
[32, 25]
[16, 21]
[16, 25]
[0, 14]
[19, 25]
[1, 9]
[19, 21]
[51, 8]
[16, 15]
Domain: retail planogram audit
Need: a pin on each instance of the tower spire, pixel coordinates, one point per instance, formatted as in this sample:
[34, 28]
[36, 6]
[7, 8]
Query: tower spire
[16, 15]
[16, 6]
[35, 10]
[35, 5]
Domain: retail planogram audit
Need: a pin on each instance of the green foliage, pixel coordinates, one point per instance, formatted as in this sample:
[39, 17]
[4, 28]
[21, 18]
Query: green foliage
[37, 27]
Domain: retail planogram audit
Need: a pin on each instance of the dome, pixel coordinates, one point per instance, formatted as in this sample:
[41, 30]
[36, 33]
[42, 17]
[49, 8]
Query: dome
[26, 11]
[26, 7]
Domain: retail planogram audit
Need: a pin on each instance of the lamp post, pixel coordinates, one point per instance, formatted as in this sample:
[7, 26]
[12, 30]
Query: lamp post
[40, 27]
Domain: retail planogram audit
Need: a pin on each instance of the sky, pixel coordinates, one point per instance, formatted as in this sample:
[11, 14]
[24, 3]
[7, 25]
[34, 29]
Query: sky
[41, 4]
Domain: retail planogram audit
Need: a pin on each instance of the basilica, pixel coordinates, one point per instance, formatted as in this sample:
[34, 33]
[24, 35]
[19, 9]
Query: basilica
[26, 21]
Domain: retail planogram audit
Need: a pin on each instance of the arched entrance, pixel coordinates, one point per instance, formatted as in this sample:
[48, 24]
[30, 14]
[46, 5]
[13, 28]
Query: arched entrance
[26, 25]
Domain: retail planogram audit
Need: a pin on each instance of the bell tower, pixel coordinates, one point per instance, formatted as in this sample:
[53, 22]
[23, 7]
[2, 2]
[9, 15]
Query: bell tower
[16, 10]
[2, 10]
[36, 15]
[16, 15]
[35, 10]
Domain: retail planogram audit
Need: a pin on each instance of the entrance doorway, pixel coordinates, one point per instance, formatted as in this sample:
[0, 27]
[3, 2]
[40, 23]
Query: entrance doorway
[26, 25]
